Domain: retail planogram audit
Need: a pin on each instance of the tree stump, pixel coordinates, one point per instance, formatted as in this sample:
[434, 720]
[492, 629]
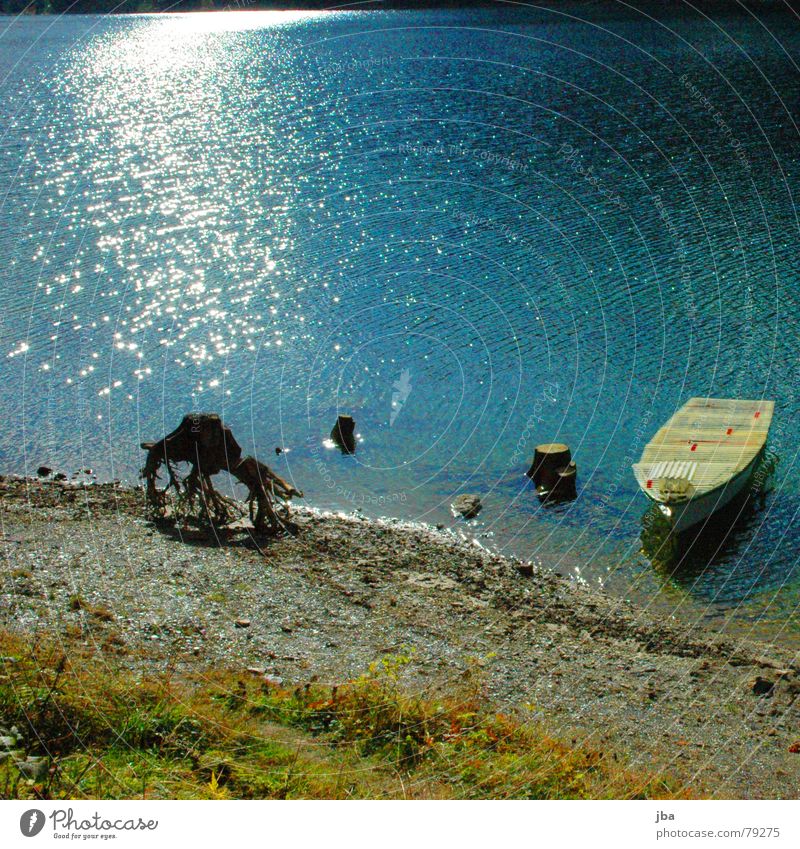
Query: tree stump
[344, 434]
[565, 486]
[553, 472]
[547, 460]
[203, 441]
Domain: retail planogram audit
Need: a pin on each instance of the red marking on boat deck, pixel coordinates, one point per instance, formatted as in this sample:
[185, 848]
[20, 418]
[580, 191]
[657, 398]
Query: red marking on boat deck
[758, 413]
[694, 447]
[729, 431]
[706, 442]
[650, 484]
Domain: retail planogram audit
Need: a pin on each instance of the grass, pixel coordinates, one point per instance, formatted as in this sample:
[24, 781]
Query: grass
[221, 735]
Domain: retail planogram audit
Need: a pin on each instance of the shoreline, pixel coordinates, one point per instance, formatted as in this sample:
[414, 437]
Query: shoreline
[148, 7]
[81, 562]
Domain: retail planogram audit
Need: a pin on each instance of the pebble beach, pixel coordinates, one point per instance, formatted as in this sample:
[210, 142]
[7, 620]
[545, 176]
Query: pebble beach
[83, 563]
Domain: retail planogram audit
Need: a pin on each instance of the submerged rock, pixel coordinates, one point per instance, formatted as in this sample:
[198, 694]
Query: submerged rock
[467, 505]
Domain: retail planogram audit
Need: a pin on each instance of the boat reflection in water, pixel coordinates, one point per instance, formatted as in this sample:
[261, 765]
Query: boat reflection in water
[682, 556]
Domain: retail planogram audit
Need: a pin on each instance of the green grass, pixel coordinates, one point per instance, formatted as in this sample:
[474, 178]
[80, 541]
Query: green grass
[224, 735]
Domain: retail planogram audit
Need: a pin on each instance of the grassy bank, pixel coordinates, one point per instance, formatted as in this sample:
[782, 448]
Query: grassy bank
[104, 734]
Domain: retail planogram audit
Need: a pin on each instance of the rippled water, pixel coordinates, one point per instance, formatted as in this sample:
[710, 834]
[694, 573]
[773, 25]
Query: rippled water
[472, 230]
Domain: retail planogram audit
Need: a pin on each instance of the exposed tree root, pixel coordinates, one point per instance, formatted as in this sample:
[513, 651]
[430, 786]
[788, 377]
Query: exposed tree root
[203, 441]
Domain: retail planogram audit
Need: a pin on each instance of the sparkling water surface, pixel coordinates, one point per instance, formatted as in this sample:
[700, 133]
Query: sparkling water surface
[472, 230]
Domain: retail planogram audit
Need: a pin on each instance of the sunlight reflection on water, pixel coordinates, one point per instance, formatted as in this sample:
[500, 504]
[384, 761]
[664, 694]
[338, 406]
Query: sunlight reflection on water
[278, 216]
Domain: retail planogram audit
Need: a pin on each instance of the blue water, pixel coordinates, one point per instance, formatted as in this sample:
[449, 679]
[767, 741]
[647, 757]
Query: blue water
[472, 230]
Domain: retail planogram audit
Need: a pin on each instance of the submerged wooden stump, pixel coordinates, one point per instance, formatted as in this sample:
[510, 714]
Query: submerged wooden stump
[547, 460]
[553, 472]
[344, 434]
[565, 486]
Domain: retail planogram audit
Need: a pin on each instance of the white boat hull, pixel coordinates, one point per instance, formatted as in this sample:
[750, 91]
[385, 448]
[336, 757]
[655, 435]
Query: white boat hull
[699, 509]
[703, 457]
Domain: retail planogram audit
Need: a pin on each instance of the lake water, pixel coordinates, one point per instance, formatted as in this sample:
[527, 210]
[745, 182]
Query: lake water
[472, 230]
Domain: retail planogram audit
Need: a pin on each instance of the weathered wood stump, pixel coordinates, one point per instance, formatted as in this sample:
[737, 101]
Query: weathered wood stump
[547, 460]
[203, 441]
[553, 472]
[565, 486]
[344, 434]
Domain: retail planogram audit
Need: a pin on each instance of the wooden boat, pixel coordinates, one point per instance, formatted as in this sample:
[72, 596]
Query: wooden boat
[703, 457]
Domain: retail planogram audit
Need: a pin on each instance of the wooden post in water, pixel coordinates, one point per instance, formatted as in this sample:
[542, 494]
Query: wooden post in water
[344, 434]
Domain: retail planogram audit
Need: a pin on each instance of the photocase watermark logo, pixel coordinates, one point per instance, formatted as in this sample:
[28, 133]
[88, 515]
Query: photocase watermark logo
[64, 823]
[477, 154]
[699, 98]
[572, 157]
[401, 389]
[549, 394]
[31, 822]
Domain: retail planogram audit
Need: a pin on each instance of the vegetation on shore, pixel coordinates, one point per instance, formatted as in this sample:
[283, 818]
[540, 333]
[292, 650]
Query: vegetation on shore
[104, 734]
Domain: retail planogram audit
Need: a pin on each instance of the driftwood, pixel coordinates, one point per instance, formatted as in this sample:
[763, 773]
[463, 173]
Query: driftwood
[203, 441]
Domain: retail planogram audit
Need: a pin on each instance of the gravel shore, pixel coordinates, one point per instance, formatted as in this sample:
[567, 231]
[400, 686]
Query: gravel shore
[81, 561]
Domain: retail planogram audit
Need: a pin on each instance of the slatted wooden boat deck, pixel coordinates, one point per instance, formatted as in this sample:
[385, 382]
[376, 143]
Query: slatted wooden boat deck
[707, 442]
